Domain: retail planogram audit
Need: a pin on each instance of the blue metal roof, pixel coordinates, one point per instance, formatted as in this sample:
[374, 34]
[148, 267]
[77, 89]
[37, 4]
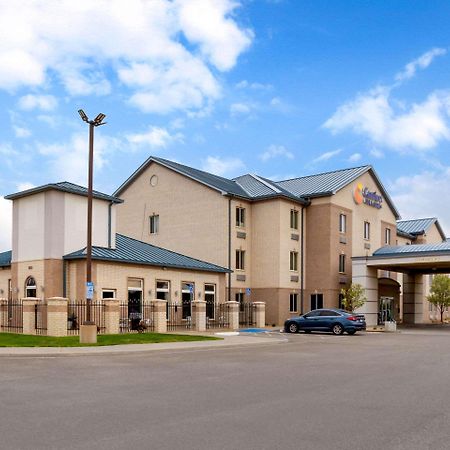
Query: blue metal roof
[442, 247]
[419, 226]
[5, 258]
[64, 186]
[132, 251]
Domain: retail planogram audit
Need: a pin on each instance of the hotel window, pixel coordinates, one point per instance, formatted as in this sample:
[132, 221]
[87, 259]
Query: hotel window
[162, 290]
[239, 297]
[187, 296]
[342, 223]
[210, 299]
[240, 217]
[293, 302]
[108, 294]
[387, 236]
[294, 219]
[240, 259]
[30, 287]
[154, 224]
[367, 230]
[316, 301]
[341, 263]
[293, 261]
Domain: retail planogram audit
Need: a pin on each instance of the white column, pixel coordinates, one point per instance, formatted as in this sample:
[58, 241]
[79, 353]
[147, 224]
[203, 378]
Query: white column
[367, 278]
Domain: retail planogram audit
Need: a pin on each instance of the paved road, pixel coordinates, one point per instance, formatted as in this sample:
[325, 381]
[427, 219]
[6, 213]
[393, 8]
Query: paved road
[369, 391]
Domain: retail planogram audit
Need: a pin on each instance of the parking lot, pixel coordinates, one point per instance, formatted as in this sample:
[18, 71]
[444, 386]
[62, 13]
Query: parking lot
[318, 391]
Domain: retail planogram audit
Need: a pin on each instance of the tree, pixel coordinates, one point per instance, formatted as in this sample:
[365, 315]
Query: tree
[440, 293]
[353, 297]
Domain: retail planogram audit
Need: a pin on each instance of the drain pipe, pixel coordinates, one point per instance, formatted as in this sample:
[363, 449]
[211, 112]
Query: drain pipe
[229, 249]
[302, 260]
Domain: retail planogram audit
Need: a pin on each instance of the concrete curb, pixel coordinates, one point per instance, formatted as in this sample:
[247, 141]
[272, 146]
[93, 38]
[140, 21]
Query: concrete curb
[227, 342]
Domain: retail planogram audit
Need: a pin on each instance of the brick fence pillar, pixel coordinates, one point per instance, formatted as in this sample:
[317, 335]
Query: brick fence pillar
[234, 315]
[159, 316]
[260, 314]
[29, 315]
[3, 312]
[112, 316]
[199, 315]
[57, 316]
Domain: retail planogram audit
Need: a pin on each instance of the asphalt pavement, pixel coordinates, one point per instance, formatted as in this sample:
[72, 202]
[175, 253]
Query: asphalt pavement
[368, 391]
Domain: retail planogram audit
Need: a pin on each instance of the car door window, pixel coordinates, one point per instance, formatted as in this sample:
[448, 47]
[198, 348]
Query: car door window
[312, 314]
[328, 313]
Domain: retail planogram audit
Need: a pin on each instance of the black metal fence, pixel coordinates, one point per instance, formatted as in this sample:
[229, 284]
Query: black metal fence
[247, 315]
[11, 316]
[77, 313]
[217, 315]
[136, 317]
[40, 318]
[179, 316]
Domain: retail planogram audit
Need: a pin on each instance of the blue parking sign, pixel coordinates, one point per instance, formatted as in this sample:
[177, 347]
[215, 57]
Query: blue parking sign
[89, 290]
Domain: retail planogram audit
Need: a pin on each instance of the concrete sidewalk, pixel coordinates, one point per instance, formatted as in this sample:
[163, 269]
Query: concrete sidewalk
[243, 339]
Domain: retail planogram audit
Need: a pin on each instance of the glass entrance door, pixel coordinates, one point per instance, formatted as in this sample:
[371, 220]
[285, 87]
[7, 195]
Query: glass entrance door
[385, 310]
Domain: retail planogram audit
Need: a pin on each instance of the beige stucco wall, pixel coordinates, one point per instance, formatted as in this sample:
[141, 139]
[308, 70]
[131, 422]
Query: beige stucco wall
[51, 224]
[193, 219]
[108, 275]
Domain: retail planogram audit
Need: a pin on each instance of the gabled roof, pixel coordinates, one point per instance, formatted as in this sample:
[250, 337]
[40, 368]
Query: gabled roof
[417, 227]
[442, 247]
[223, 185]
[329, 183]
[64, 186]
[258, 187]
[132, 251]
[5, 259]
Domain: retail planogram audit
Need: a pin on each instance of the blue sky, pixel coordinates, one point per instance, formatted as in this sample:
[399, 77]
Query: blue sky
[278, 88]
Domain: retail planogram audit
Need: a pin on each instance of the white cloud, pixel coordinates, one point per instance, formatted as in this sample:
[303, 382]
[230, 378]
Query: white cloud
[5, 224]
[422, 62]
[43, 102]
[222, 166]
[25, 186]
[423, 195]
[326, 156]
[275, 151]
[376, 153]
[244, 84]
[355, 157]
[240, 108]
[68, 161]
[155, 137]
[373, 114]
[165, 51]
[395, 124]
[21, 132]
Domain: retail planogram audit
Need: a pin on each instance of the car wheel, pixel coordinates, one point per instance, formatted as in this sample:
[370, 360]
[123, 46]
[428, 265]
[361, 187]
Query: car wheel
[337, 329]
[351, 332]
[293, 327]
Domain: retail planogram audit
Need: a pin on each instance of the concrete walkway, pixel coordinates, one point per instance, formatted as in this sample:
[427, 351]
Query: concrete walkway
[243, 339]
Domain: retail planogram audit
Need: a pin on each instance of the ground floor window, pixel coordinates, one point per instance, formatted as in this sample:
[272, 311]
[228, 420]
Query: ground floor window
[187, 296]
[135, 291]
[108, 294]
[210, 299]
[293, 302]
[30, 287]
[162, 290]
[316, 301]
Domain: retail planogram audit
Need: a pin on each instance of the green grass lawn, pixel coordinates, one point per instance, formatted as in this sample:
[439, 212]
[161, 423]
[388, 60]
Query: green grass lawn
[23, 340]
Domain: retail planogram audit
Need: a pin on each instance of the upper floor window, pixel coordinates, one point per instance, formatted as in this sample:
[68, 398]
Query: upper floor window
[293, 261]
[240, 216]
[367, 230]
[342, 263]
[387, 236]
[30, 287]
[294, 219]
[342, 223]
[154, 224]
[240, 259]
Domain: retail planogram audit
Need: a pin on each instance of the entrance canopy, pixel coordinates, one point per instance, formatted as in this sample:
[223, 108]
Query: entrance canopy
[421, 258]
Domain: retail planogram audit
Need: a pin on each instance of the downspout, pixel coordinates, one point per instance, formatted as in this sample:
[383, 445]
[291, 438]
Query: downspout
[64, 278]
[109, 224]
[302, 287]
[229, 248]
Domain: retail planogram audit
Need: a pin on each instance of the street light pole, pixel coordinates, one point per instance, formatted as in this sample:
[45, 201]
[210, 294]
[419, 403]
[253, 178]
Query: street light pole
[92, 124]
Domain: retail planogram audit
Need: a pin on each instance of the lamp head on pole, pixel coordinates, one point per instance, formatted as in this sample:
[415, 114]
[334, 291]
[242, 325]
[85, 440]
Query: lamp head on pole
[83, 115]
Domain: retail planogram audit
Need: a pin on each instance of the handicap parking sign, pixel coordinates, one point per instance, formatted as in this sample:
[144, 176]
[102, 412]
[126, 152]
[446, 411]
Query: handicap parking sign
[89, 290]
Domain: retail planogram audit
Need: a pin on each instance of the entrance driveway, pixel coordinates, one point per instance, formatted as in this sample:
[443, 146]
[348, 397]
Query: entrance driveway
[368, 391]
